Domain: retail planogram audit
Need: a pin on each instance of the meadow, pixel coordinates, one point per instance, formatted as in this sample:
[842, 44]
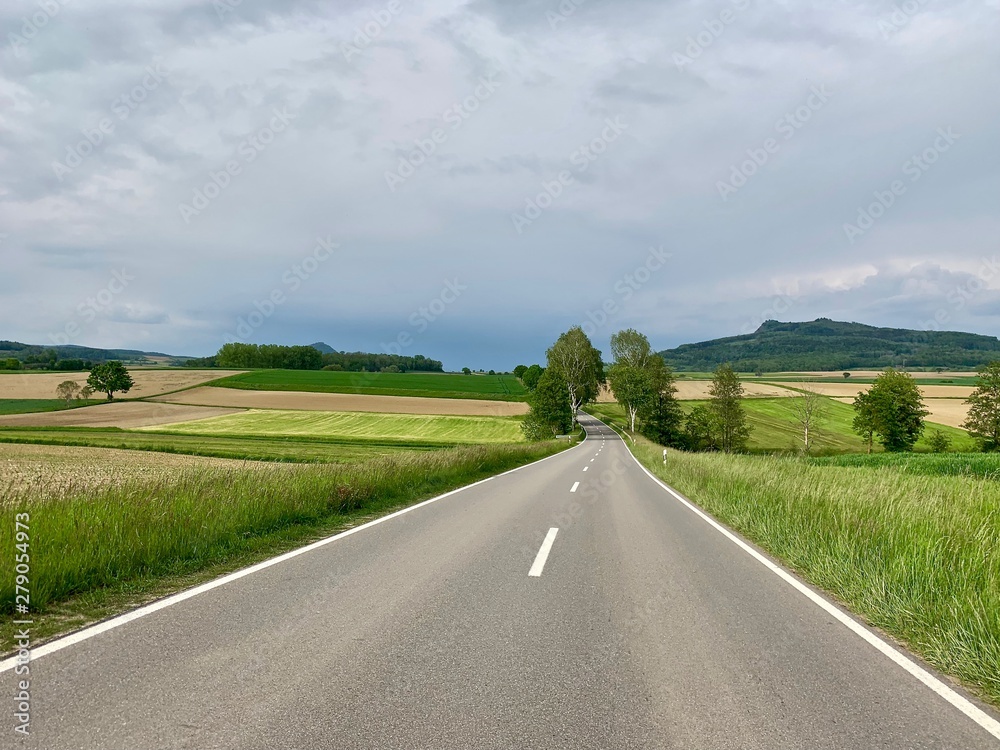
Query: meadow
[916, 553]
[247, 448]
[439, 385]
[420, 429]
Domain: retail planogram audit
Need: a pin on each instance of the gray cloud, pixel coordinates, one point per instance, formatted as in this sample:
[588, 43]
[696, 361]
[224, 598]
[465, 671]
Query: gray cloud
[268, 189]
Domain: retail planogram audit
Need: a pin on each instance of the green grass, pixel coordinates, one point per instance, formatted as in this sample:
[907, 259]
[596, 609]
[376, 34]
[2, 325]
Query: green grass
[354, 426]
[973, 465]
[286, 449]
[88, 539]
[915, 555]
[30, 405]
[436, 385]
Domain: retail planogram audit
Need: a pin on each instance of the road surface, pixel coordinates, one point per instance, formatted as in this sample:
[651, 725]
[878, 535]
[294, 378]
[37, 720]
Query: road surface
[573, 603]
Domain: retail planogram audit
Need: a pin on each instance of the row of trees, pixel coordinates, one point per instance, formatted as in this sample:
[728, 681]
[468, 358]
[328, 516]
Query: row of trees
[273, 356]
[644, 386]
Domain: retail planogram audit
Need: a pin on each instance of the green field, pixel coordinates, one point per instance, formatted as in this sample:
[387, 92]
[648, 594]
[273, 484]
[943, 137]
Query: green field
[246, 447]
[775, 428]
[914, 554]
[436, 385]
[29, 405]
[420, 429]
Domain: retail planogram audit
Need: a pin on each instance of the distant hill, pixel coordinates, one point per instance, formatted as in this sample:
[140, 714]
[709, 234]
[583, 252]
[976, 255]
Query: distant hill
[73, 357]
[826, 344]
[323, 348]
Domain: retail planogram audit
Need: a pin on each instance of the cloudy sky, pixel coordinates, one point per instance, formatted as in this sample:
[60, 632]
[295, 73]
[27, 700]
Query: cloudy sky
[467, 178]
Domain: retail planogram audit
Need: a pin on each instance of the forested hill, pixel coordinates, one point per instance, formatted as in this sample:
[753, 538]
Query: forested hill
[831, 345]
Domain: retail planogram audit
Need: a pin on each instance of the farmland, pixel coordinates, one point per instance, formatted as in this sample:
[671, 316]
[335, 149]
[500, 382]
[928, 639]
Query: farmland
[432, 385]
[33, 405]
[356, 426]
[42, 385]
[775, 428]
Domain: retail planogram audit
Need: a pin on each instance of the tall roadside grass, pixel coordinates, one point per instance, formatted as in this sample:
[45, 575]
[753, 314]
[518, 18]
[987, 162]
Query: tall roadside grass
[915, 554]
[84, 539]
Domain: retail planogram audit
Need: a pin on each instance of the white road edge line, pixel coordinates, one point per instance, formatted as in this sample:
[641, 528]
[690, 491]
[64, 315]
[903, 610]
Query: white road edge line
[89, 632]
[543, 553]
[964, 705]
[575, 485]
[585, 468]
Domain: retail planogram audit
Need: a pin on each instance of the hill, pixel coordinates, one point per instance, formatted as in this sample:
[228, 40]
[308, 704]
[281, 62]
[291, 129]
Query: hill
[73, 357]
[826, 344]
[323, 348]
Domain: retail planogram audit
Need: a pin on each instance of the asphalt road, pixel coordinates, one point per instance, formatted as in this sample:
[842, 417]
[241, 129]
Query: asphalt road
[450, 627]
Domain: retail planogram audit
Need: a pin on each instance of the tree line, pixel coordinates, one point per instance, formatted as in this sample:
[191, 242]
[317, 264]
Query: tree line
[237, 355]
[642, 384]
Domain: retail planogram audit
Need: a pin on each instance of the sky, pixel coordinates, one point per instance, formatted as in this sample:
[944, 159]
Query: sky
[466, 179]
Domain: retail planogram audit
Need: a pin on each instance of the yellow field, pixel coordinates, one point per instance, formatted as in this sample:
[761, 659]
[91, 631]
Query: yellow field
[306, 401]
[850, 390]
[147, 382]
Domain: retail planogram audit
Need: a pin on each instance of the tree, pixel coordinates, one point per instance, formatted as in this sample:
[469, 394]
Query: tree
[847, 375]
[519, 371]
[531, 376]
[939, 442]
[700, 429]
[10, 364]
[808, 408]
[632, 387]
[68, 390]
[661, 416]
[892, 410]
[466, 371]
[580, 365]
[864, 419]
[727, 407]
[631, 348]
[551, 412]
[110, 378]
[983, 420]
[85, 393]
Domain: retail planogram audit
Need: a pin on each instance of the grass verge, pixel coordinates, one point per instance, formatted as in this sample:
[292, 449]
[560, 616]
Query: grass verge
[915, 555]
[32, 405]
[116, 544]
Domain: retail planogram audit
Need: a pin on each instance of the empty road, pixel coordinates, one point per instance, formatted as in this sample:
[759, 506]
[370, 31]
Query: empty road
[573, 603]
